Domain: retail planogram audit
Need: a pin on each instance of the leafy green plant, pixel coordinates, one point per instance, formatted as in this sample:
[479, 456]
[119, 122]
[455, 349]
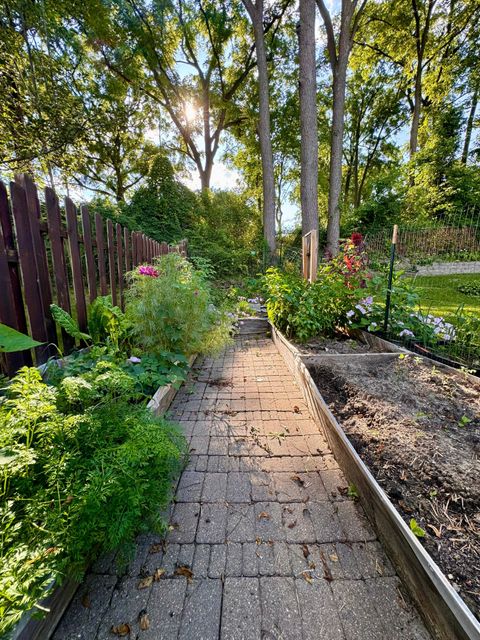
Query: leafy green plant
[470, 288]
[75, 482]
[67, 323]
[303, 310]
[107, 323]
[352, 492]
[12, 340]
[416, 528]
[169, 307]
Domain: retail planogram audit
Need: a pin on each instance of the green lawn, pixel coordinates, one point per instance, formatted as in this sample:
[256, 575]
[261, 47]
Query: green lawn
[439, 294]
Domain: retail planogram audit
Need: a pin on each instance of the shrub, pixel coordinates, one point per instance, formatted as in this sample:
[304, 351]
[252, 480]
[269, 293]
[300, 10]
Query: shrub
[470, 288]
[303, 310]
[75, 485]
[169, 309]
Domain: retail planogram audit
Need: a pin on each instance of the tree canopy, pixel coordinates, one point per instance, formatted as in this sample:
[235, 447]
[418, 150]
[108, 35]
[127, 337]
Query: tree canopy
[131, 100]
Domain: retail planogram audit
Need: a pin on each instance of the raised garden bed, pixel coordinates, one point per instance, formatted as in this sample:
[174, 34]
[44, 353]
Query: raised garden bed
[30, 628]
[418, 430]
[406, 444]
[353, 342]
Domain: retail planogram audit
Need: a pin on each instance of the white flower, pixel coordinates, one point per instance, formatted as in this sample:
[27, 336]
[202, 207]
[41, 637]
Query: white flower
[361, 309]
[134, 360]
[350, 313]
[407, 333]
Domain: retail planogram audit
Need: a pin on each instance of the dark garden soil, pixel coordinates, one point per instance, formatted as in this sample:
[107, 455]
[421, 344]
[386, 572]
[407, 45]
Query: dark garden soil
[418, 430]
[338, 344]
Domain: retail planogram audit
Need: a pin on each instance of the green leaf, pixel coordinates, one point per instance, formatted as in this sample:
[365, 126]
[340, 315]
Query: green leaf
[352, 491]
[12, 340]
[67, 323]
[416, 528]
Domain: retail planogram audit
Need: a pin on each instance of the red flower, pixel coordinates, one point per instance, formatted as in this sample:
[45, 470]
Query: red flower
[357, 239]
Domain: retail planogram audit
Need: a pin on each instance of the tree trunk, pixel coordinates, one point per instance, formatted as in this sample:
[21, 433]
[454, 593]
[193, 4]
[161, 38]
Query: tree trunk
[469, 129]
[308, 117]
[206, 173]
[268, 181]
[417, 106]
[336, 154]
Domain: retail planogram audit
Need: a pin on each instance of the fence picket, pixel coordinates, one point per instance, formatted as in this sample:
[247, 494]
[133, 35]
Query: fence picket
[89, 259]
[101, 253]
[76, 264]
[11, 310]
[118, 229]
[41, 262]
[58, 259]
[111, 261]
[26, 256]
[128, 249]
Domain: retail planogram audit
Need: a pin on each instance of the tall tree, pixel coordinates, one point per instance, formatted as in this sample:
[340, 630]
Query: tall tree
[255, 10]
[179, 54]
[116, 153]
[41, 118]
[339, 48]
[422, 38]
[308, 117]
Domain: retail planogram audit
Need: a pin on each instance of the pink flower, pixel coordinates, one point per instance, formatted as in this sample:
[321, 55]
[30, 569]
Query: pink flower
[148, 271]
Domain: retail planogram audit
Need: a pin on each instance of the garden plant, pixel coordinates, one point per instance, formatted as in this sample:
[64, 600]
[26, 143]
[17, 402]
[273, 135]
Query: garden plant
[85, 465]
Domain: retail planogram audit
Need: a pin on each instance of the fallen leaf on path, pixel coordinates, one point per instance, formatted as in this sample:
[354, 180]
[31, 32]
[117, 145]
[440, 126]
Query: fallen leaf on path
[158, 574]
[296, 409]
[86, 601]
[305, 550]
[145, 582]
[184, 571]
[307, 577]
[143, 620]
[327, 574]
[333, 557]
[264, 515]
[156, 548]
[292, 524]
[121, 630]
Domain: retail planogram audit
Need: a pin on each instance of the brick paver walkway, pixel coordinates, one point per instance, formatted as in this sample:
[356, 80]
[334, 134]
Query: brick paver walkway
[264, 542]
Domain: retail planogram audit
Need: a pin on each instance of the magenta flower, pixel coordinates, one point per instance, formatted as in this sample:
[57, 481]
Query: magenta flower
[148, 271]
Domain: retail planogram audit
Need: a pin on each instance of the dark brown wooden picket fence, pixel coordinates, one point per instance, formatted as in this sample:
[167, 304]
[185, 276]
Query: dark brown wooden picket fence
[52, 255]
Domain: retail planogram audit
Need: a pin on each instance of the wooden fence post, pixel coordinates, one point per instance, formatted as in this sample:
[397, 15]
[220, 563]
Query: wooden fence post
[11, 310]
